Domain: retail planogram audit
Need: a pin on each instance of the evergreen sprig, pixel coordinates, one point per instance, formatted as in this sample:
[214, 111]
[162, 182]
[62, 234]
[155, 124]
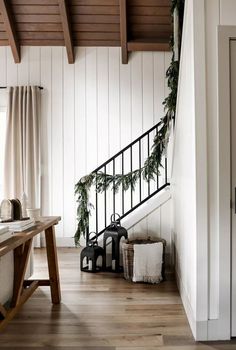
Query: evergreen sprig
[151, 166]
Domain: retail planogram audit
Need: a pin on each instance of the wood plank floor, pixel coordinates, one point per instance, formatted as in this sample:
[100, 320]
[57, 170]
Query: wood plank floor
[102, 311]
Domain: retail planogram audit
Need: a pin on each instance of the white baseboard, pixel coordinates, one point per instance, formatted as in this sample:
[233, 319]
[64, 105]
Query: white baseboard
[187, 305]
[218, 331]
[199, 328]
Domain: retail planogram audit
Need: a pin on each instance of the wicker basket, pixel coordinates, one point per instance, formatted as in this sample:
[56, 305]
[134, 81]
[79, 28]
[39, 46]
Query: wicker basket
[128, 255]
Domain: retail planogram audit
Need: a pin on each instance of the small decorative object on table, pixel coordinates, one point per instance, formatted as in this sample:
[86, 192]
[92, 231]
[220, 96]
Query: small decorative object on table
[11, 210]
[116, 232]
[33, 213]
[128, 256]
[91, 253]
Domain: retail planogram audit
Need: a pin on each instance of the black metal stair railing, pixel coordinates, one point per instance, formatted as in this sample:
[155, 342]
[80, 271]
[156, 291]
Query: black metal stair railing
[123, 202]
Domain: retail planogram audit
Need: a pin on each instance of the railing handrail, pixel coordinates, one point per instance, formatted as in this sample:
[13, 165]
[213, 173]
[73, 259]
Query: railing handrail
[127, 147]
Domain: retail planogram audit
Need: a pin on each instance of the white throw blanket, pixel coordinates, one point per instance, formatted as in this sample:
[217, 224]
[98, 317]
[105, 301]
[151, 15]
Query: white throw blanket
[148, 262]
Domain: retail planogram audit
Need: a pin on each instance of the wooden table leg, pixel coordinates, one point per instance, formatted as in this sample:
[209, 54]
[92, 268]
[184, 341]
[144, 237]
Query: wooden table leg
[53, 265]
[21, 258]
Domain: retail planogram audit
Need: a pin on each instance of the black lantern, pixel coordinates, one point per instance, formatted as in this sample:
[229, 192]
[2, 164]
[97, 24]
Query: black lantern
[91, 254]
[114, 231]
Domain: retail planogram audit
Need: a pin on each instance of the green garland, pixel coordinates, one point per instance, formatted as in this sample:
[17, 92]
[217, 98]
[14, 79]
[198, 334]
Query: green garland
[103, 181]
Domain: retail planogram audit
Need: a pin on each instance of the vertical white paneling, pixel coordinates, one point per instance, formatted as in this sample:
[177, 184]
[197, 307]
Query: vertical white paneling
[12, 71]
[125, 105]
[103, 103]
[114, 100]
[140, 230]
[69, 146]
[159, 85]
[167, 64]
[89, 111]
[57, 135]
[3, 66]
[165, 223]
[91, 107]
[23, 68]
[34, 65]
[154, 224]
[80, 113]
[137, 94]
[46, 128]
[148, 90]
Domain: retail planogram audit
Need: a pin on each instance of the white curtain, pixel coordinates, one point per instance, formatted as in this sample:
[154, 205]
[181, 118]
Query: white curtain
[22, 151]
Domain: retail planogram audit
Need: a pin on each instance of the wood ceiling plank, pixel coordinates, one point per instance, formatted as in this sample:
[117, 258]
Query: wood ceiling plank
[38, 27]
[149, 11]
[123, 31]
[10, 29]
[41, 42]
[3, 36]
[4, 43]
[95, 27]
[96, 36]
[150, 27]
[95, 2]
[150, 3]
[35, 10]
[38, 18]
[95, 19]
[100, 43]
[59, 36]
[66, 25]
[150, 19]
[41, 36]
[95, 10]
[34, 2]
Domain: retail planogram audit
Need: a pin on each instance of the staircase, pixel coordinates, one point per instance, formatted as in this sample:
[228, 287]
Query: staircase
[130, 158]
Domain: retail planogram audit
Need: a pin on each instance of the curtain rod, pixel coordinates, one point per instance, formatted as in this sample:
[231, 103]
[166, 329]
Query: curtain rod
[5, 87]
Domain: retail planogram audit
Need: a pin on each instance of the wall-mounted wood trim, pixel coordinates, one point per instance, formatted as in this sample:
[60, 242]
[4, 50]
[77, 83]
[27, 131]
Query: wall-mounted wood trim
[123, 31]
[66, 30]
[10, 29]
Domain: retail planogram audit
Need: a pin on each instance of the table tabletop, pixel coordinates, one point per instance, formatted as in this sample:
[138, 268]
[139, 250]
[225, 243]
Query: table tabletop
[20, 238]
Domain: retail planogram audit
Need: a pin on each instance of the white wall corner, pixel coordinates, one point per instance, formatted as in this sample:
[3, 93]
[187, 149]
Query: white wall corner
[201, 159]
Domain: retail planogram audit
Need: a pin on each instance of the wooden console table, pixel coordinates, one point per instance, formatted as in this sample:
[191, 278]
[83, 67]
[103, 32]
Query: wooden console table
[21, 244]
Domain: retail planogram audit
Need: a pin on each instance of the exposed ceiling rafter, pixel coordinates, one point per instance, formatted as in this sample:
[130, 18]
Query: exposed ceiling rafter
[64, 12]
[123, 31]
[10, 29]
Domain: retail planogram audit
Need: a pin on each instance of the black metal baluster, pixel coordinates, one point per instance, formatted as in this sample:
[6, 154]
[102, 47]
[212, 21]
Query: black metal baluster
[96, 201]
[87, 233]
[105, 197]
[131, 169]
[140, 165]
[165, 170]
[122, 170]
[114, 192]
[157, 168]
[148, 145]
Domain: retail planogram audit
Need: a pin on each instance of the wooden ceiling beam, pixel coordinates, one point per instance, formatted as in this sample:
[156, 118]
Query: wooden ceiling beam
[123, 31]
[9, 26]
[66, 25]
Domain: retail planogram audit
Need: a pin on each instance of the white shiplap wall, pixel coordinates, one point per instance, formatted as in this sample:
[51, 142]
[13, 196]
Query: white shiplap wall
[90, 110]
